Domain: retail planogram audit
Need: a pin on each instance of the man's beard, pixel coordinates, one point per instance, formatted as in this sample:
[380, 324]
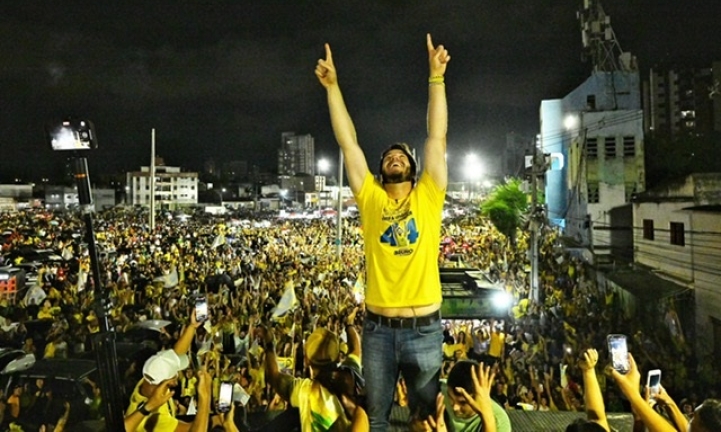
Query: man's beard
[397, 177]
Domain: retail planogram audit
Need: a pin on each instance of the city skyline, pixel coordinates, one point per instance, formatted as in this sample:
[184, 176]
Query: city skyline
[225, 81]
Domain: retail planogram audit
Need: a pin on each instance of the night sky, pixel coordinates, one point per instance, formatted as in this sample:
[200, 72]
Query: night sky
[223, 80]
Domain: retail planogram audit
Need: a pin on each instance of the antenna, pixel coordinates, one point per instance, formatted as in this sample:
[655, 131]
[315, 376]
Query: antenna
[600, 45]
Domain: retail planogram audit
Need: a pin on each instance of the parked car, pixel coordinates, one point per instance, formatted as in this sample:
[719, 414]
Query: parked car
[64, 378]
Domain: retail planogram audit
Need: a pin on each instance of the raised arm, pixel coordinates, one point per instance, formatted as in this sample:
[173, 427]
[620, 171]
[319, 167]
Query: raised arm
[435, 150]
[280, 382]
[354, 341]
[672, 409]
[343, 128]
[182, 346]
[595, 408]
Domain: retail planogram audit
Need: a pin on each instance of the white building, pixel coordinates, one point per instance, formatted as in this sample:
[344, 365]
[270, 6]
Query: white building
[66, 197]
[173, 187]
[677, 234]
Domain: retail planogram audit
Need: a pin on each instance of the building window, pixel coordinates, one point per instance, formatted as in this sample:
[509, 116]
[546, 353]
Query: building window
[591, 102]
[592, 148]
[610, 147]
[629, 146]
[648, 229]
[677, 234]
[593, 196]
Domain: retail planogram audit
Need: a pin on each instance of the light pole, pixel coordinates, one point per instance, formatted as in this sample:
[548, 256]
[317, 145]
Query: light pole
[323, 167]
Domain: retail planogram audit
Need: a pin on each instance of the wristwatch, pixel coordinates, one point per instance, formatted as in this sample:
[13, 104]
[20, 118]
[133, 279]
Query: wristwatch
[144, 411]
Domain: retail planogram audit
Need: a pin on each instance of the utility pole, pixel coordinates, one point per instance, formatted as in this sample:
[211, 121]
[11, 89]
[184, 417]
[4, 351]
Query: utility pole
[339, 234]
[539, 165]
[152, 181]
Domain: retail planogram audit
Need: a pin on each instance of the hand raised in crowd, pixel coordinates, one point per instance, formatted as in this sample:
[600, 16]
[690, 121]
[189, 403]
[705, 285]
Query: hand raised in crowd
[483, 377]
[630, 382]
[325, 70]
[228, 419]
[589, 360]
[204, 386]
[350, 318]
[193, 320]
[435, 423]
[265, 335]
[438, 57]
[662, 396]
[160, 396]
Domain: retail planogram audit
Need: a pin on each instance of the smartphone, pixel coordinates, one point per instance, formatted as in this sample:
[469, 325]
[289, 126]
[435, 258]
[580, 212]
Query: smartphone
[225, 397]
[653, 382]
[201, 309]
[618, 349]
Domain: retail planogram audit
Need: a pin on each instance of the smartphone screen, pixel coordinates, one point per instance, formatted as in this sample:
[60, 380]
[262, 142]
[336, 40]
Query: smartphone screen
[225, 397]
[654, 382]
[618, 349]
[201, 309]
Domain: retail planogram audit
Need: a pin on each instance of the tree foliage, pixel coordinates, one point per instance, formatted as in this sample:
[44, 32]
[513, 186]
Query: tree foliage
[505, 207]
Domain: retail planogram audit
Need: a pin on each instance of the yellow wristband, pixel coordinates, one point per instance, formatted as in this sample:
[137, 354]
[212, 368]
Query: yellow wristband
[435, 79]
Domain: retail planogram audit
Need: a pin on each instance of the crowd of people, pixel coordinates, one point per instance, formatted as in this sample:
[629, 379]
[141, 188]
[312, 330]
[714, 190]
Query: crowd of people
[245, 276]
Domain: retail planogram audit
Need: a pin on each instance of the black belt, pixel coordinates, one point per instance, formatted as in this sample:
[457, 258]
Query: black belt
[404, 322]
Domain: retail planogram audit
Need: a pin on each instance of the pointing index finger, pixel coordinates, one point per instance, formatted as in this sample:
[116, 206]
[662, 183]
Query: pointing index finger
[328, 54]
[429, 42]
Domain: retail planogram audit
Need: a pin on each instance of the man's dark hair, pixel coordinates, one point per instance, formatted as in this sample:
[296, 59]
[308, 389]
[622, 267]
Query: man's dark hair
[460, 376]
[709, 413]
[584, 425]
[405, 148]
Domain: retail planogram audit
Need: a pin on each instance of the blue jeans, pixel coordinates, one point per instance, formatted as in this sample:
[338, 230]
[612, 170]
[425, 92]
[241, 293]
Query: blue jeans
[414, 352]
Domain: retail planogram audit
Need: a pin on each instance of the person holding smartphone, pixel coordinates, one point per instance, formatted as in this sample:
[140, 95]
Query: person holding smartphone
[706, 418]
[161, 371]
[672, 410]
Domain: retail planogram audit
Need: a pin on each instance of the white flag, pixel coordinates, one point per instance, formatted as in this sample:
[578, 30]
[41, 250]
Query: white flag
[171, 279]
[82, 278]
[219, 240]
[192, 409]
[287, 301]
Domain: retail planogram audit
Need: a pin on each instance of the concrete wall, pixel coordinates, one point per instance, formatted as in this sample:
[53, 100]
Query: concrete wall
[659, 253]
[705, 238]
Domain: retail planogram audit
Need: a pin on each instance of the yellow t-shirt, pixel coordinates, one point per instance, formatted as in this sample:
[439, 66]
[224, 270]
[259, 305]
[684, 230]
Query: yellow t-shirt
[495, 348]
[49, 350]
[188, 386]
[166, 413]
[402, 239]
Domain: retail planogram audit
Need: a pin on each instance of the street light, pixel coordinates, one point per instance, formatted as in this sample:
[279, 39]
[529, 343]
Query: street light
[473, 170]
[323, 165]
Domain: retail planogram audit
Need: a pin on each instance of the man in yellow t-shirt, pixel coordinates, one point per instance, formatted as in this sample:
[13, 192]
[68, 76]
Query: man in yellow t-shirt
[497, 345]
[401, 220]
[320, 409]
